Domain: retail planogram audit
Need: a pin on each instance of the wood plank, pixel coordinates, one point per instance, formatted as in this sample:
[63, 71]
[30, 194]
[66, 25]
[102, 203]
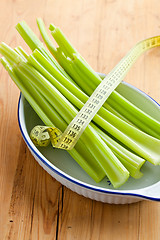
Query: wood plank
[105, 221]
[31, 207]
[32, 204]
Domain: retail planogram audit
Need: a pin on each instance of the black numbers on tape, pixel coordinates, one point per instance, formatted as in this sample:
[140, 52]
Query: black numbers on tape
[106, 87]
[84, 116]
[72, 133]
[67, 140]
[95, 101]
[88, 111]
[64, 146]
[76, 127]
[102, 91]
[92, 106]
[99, 96]
[80, 121]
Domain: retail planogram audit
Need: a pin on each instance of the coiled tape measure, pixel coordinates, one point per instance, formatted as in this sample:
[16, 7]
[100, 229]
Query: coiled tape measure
[42, 135]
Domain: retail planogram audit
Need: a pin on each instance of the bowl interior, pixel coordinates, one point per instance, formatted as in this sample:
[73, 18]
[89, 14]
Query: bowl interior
[64, 162]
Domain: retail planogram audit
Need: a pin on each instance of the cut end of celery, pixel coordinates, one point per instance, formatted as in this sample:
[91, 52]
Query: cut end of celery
[137, 175]
[30, 38]
[121, 181]
[39, 20]
[52, 27]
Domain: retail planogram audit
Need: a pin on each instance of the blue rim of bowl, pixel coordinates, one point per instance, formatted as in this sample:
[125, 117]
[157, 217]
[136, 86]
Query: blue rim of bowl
[78, 182]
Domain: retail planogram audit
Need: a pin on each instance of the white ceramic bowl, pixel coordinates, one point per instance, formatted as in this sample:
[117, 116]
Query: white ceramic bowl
[60, 165]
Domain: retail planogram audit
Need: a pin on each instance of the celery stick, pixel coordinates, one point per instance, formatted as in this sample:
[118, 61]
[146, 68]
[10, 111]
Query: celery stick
[122, 171]
[127, 134]
[113, 168]
[47, 65]
[113, 111]
[44, 33]
[80, 153]
[21, 52]
[123, 106]
[63, 42]
[51, 47]
[8, 52]
[127, 109]
[105, 149]
[132, 162]
[68, 49]
[33, 42]
[41, 106]
[17, 50]
[134, 114]
[81, 80]
[31, 39]
[38, 56]
[23, 88]
[144, 145]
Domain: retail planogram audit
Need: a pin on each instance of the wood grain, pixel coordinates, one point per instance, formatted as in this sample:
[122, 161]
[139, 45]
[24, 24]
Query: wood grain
[32, 204]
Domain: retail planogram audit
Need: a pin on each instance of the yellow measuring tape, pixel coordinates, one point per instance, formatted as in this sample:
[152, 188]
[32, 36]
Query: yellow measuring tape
[42, 135]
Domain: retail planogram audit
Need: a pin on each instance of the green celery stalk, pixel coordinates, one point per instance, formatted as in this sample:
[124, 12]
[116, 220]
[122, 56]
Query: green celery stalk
[116, 172]
[118, 102]
[88, 75]
[134, 114]
[51, 118]
[113, 168]
[127, 134]
[24, 89]
[132, 162]
[75, 101]
[122, 105]
[5, 50]
[37, 55]
[66, 63]
[81, 79]
[66, 46]
[21, 52]
[33, 42]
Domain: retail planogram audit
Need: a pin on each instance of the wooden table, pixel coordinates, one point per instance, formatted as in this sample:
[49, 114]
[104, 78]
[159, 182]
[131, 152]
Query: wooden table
[32, 204]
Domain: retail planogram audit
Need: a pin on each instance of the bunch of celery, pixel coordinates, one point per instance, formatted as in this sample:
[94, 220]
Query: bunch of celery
[113, 144]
